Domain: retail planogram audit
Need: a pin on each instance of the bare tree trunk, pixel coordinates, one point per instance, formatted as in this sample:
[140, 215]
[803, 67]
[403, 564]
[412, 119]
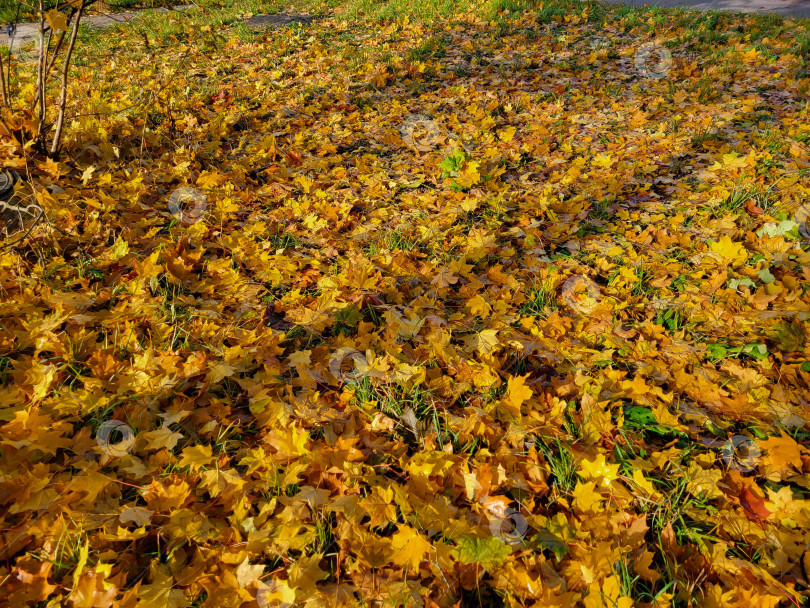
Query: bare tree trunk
[60, 120]
[3, 89]
[54, 56]
[41, 74]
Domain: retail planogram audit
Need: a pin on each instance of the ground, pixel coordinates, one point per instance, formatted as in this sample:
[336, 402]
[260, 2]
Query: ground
[414, 304]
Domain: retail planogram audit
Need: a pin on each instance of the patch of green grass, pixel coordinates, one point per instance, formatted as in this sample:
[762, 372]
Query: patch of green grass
[422, 10]
[540, 300]
[561, 463]
[433, 47]
[416, 410]
[635, 587]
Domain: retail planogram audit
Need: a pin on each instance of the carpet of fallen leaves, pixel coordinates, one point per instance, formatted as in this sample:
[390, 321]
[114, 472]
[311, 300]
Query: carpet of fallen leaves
[506, 312]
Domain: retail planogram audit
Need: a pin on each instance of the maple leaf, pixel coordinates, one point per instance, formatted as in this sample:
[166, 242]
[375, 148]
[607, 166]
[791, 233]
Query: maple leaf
[162, 437]
[160, 593]
[598, 471]
[753, 503]
[411, 548]
[140, 516]
[56, 20]
[586, 497]
[196, 456]
[485, 341]
[445, 278]
[489, 552]
[247, 574]
[729, 250]
[517, 393]
[782, 455]
[217, 481]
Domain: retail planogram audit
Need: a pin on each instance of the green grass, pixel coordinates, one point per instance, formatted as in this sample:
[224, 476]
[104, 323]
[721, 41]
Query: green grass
[540, 300]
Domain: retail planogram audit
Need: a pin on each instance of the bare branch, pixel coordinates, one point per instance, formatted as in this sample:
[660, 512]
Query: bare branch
[60, 120]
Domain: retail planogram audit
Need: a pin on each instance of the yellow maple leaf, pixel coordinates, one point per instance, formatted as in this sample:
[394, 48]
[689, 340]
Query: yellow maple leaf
[56, 20]
[486, 341]
[160, 593]
[643, 483]
[88, 175]
[247, 574]
[469, 175]
[479, 306]
[163, 437]
[517, 391]
[41, 377]
[290, 441]
[599, 471]
[507, 133]
[411, 548]
[734, 161]
[729, 250]
[586, 498]
[665, 418]
[603, 160]
[782, 454]
[217, 481]
[196, 456]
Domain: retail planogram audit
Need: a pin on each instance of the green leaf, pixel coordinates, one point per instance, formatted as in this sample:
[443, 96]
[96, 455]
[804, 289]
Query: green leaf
[451, 165]
[786, 228]
[546, 539]
[735, 283]
[766, 276]
[639, 417]
[349, 316]
[757, 351]
[486, 551]
[806, 366]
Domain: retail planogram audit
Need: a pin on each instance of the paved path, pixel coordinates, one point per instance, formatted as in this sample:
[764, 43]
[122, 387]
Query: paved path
[795, 8]
[26, 37]
[26, 33]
